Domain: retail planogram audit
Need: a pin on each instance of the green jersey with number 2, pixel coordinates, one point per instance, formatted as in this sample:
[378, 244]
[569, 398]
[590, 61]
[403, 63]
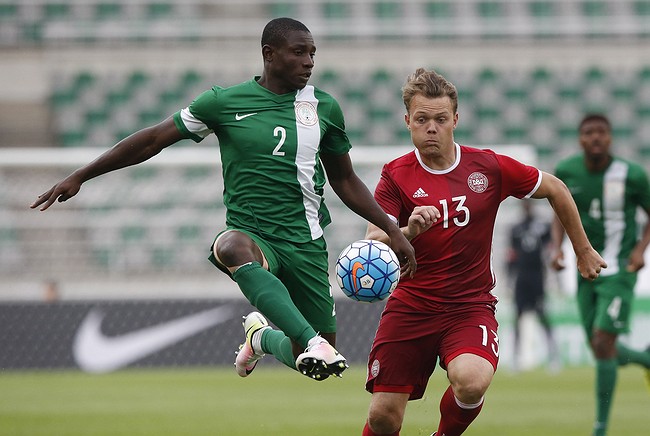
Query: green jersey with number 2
[270, 146]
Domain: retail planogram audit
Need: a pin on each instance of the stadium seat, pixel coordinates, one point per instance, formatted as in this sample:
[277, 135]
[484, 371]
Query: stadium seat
[594, 8]
[541, 8]
[335, 10]
[157, 10]
[387, 10]
[642, 8]
[489, 9]
[438, 9]
[8, 11]
[108, 10]
[282, 9]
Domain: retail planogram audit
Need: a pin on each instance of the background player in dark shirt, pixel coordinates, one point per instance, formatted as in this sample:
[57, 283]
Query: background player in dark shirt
[529, 240]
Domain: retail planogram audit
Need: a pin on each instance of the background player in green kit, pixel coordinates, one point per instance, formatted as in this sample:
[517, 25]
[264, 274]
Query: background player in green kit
[608, 191]
[277, 137]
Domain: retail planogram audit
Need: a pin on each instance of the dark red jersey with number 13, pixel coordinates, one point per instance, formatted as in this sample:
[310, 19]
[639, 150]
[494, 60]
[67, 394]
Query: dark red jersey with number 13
[454, 256]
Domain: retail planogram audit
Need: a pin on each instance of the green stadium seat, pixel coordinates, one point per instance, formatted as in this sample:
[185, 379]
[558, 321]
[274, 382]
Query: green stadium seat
[541, 74]
[137, 79]
[388, 10]
[8, 11]
[541, 8]
[98, 116]
[158, 10]
[8, 235]
[487, 113]
[594, 8]
[516, 135]
[32, 32]
[465, 133]
[516, 93]
[623, 133]
[568, 134]
[189, 232]
[642, 8]
[63, 97]
[150, 116]
[162, 256]
[438, 9]
[490, 9]
[487, 76]
[190, 78]
[141, 173]
[104, 257]
[73, 138]
[623, 92]
[335, 10]
[568, 92]
[84, 79]
[54, 11]
[538, 113]
[133, 233]
[105, 11]
[118, 97]
[282, 9]
[594, 74]
[644, 75]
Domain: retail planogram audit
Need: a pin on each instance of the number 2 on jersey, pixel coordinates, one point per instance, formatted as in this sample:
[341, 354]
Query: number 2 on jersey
[282, 133]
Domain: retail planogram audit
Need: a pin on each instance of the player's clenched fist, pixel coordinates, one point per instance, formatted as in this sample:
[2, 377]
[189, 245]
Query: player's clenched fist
[421, 220]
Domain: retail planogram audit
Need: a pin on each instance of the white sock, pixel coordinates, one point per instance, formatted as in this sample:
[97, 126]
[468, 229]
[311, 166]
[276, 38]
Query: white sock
[256, 341]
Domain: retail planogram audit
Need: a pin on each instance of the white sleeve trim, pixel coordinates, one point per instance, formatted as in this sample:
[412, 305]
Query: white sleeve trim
[193, 124]
[539, 182]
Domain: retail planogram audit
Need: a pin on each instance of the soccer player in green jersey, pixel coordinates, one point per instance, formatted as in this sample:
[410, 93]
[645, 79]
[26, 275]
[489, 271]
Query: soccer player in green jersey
[278, 136]
[608, 192]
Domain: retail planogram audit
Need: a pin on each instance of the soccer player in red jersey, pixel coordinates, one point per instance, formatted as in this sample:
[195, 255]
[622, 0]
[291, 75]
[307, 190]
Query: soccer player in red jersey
[445, 198]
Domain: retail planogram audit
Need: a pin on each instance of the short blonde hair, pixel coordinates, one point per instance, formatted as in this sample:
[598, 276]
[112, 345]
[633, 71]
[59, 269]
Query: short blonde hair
[429, 84]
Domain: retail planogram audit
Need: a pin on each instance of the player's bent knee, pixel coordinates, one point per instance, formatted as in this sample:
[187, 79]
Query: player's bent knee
[386, 412]
[233, 249]
[382, 423]
[470, 377]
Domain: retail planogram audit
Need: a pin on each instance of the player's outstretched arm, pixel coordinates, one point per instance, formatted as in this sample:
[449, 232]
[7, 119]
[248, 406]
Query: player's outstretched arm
[557, 237]
[636, 260]
[136, 148]
[555, 191]
[355, 194]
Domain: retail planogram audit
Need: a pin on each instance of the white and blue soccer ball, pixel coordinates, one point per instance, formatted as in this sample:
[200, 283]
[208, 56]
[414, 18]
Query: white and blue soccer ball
[367, 270]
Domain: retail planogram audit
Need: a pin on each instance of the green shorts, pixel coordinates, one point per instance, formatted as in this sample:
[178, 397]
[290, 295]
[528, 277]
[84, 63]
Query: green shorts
[303, 269]
[606, 303]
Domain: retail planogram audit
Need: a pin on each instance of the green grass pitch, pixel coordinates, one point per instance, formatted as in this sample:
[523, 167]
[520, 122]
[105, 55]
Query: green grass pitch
[277, 401]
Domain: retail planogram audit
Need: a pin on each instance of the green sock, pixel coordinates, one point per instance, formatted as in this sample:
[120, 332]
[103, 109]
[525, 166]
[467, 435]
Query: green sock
[606, 372]
[626, 355]
[267, 293]
[275, 342]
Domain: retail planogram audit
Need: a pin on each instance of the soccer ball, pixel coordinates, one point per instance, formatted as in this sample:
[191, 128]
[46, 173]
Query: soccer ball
[367, 270]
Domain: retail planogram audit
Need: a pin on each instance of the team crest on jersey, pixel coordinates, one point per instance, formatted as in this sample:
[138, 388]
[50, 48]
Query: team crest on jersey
[374, 368]
[306, 113]
[477, 182]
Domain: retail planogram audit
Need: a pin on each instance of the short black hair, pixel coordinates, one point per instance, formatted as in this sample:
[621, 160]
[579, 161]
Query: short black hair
[275, 32]
[595, 117]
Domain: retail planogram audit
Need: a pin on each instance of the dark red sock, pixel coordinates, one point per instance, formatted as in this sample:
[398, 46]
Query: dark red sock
[368, 432]
[453, 418]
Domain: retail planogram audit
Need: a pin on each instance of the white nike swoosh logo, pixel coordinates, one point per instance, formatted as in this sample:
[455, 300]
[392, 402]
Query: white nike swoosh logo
[95, 352]
[241, 117]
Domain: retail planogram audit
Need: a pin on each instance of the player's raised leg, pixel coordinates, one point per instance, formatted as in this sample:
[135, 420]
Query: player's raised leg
[320, 360]
[251, 350]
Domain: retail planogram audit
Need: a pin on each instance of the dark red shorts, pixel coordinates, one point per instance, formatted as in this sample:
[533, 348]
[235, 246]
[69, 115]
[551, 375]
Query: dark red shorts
[408, 344]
